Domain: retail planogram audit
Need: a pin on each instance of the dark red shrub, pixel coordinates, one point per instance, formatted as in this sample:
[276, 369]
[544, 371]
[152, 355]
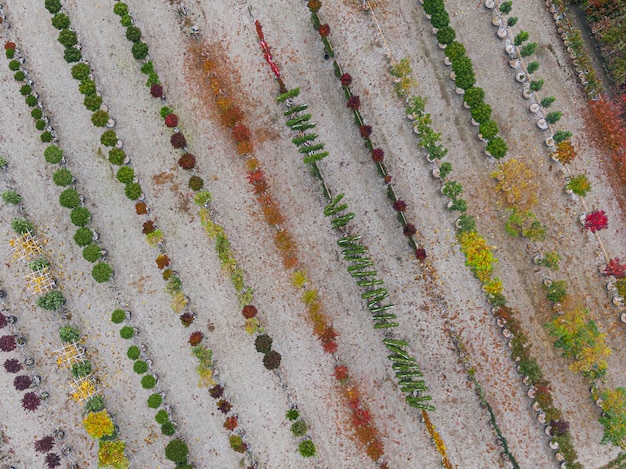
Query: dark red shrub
[596, 221]
[420, 254]
[249, 311]
[187, 161]
[3, 321]
[156, 91]
[615, 268]
[195, 338]
[8, 343]
[148, 227]
[330, 347]
[30, 401]
[171, 120]
[328, 334]
[409, 229]
[365, 131]
[178, 140]
[559, 427]
[231, 423]
[354, 103]
[12, 365]
[399, 205]
[361, 418]
[9, 46]
[346, 79]
[241, 133]
[216, 391]
[341, 373]
[378, 154]
[45, 444]
[387, 179]
[53, 460]
[186, 319]
[324, 30]
[141, 208]
[22, 382]
[224, 406]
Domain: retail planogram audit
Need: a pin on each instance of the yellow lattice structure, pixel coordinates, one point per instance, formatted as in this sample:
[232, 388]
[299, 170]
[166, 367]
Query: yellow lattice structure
[69, 355]
[40, 281]
[26, 247]
[83, 388]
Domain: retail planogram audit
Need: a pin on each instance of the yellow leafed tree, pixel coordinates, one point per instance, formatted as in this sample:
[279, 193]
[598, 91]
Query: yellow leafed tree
[98, 424]
[111, 454]
[516, 180]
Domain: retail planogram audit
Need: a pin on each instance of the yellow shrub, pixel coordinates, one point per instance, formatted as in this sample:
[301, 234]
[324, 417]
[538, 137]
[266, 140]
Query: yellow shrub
[111, 454]
[98, 424]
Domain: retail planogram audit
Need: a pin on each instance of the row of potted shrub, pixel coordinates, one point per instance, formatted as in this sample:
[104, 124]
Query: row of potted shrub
[271, 358]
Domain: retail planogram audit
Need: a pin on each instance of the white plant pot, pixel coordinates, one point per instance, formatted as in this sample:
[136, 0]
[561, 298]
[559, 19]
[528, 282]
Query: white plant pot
[622, 317]
[459, 91]
[515, 63]
[104, 107]
[541, 418]
[559, 457]
[443, 46]
[474, 123]
[618, 300]
[416, 129]
[537, 260]
[534, 108]
[465, 105]
[582, 219]
[434, 30]
[509, 49]
[547, 282]
[110, 123]
[527, 93]
[554, 445]
[490, 4]
[550, 141]
[521, 77]
[536, 406]
[452, 76]
[547, 430]
[496, 20]
[119, 144]
[436, 173]
[410, 117]
[501, 33]
[542, 124]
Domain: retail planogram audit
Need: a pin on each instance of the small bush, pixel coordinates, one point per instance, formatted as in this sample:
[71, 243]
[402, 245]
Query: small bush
[168, 429]
[249, 311]
[196, 183]
[118, 316]
[10, 53]
[83, 236]
[506, 7]
[561, 135]
[69, 198]
[36, 113]
[474, 96]
[177, 451]
[81, 369]
[511, 21]
[108, 138]
[87, 87]
[53, 6]
[68, 38]
[148, 382]
[187, 161]
[127, 332]
[69, 334]
[31, 101]
[53, 154]
[22, 226]
[126, 20]
[140, 50]
[446, 35]
[556, 291]
[161, 417]
[11, 197]
[178, 140]
[533, 67]
[292, 414]
[133, 353]
[120, 9]
[39, 264]
[165, 111]
[140, 367]
[263, 343]
[14, 65]
[61, 21]
[94, 404]
[25, 90]
[154, 401]
[40, 124]
[117, 156]
[46, 137]
[80, 216]
[19, 75]
[299, 428]
[553, 117]
[536, 85]
[100, 118]
[271, 360]
[51, 301]
[133, 34]
[171, 120]
[528, 49]
[125, 174]
[237, 443]
[488, 129]
[547, 101]
[521, 37]
[497, 147]
[133, 190]
[92, 253]
[72, 55]
[307, 449]
[102, 272]
[156, 91]
[579, 185]
[80, 71]
[92, 102]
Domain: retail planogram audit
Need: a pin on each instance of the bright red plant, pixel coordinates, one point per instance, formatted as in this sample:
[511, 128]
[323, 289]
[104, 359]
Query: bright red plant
[615, 268]
[324, 30]
[346, 79]
[596, 221]
[171, 120]
[156, 91]
[378, 155]
[365, 131]
[354, 103]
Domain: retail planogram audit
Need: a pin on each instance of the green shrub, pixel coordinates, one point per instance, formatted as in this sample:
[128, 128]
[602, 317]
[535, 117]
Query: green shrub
[118, 316]
[154, 401]
[102, 272]
[464, 70]
[454, 50]
[108, 138]
[536, 85]
[127, 332]
[87, 87]
[474, 96]
[69, 334]
[533, 67]
[83, 236]
[307, 449]
[579, 185]
[80, 71]
[3, 162]
[133, 353]
[444, 169]
[53, 6]
[68, 38]
[40, 124]
[126, 20]
[521, 37]
[196, 183]
[46, 137]
[488, 129]
[92, 102]
[11, 197]
[125, 174]
[62, 177]
[550, 260]
[165, 111]
[36, 113]
[161, 417]
[446, 35]
[263, 343]
[51, 301]
[481, 113]
[467, 223]
[133, 190]
[140, 367]
[100, 118]
[556, 291]
[69, 198]
[147, 68]
[237, 443]
[292, 414]
[298, 428]
[553, 117]
[140, 50]
[19, 75]
[148, 382]
[439, 19]
[94, 404]
[168, 429]
[433, 6]
[72, 55]
[561, 135]
[10, 53]
[80, 216]
[452, 189]
[177, 451]
[39, 264]
[92, 253]
[506, 7]
[53, 154]
[528, 49]
[22, 226]
[547, 101]
[25, 90]
[61, 21]
[511, 21]
[459, 205]
[133, 33]
[117, 156]
[497, 147]
[14, 65]
[153, 79]
[31, 101]
[530, 368]
[120, 9]
[81, 369]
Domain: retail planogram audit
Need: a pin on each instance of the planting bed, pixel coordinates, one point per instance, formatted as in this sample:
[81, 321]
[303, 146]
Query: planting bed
[282, 328]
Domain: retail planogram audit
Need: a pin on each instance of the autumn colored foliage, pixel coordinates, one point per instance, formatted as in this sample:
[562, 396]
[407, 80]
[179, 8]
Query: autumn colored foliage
[610, 130]
[565, 152]
[615, 268]
[98, 424]
[596, 221]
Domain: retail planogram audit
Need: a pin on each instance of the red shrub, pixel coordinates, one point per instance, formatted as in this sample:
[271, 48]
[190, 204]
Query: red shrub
[231, 116]
[324, 30]
[22, 382]
[610, 128]
[365, 131]
[596, 220]
[409, 229]
[249, 311]
[195, 338]
[186, 319]
[231, 423]
[141, 208]
[399, 205]
[256, 176]
[354, 103]
[156, 91]
[387, 179]
[8, 343]
[328, 334]
[12, 365]
[162, 261]
[378, 154]
[346, 79]
[3, 321]
[224, 406]
[171, 120]
[187, 161]
[45, 444]
[341, 373]
[361, 418]
[148, 227]
[240, 133]
[30, 401]
[615, 269]
[9, 45]
[420, 254]
[216, 391]
[330, 347]
[178, 140]
[53, 460]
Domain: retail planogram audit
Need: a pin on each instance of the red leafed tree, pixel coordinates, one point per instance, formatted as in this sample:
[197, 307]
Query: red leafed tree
[9, 45]
[361, 417]
[187, 161]
[195, 338]
[53, 460]
[596, 221]
[341, 373]
[399, 205]
[610, 129]
[3, 321]
[365, 131]
[241, 133]
[171, 120]
[8, 343]
[12, 365]
[249, 311]
[231, 423]
[354, 102]
[45, 444]
[346, 79]
[156, 91]
[31, 401]
[22, 382]
[324, 30]
[378, 154]
[178, 140]
[615, 268]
